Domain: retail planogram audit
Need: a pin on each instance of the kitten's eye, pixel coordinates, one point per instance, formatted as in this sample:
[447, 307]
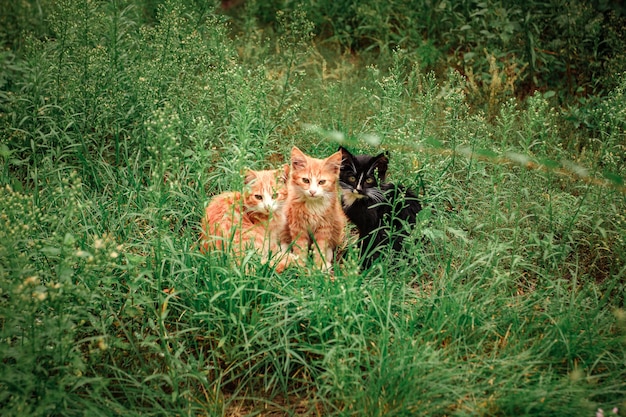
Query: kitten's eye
[274, 196]
[370, 180]
[322, 182]
[305, 180]
[258, 197]
[352, 178]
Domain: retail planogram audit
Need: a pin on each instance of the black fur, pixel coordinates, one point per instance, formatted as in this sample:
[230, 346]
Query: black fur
[383, 213]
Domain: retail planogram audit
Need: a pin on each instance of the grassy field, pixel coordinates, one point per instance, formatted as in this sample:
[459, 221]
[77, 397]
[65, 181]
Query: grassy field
[118, 123]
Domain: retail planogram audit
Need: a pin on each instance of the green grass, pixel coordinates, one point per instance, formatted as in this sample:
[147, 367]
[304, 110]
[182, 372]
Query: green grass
[119, 122]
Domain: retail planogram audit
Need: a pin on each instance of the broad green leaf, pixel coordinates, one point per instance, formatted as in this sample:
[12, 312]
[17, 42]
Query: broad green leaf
[432, 142]
[614, 178]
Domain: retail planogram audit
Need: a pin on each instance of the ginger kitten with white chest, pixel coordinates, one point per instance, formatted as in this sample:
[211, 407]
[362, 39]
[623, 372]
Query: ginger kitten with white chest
[314, 218]
[238, 221]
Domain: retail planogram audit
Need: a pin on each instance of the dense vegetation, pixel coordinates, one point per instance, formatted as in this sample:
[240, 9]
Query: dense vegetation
[119, 120]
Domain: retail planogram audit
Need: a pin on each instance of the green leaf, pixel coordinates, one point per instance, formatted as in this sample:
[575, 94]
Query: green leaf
[69, 240]
[549, 163]
[51, 251]
[486, 153]
[461, 234]
[433, 143]
[614, 178]
[469, 56]
[549, 94]
[5, 152]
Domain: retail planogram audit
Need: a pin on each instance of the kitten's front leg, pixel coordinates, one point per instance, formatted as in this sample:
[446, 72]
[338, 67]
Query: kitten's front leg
[323, 251]
[285, 261]
[300, 245]
[328, 259]
[295, 245]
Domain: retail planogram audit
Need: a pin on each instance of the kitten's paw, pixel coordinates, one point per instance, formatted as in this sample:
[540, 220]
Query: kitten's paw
[287, 260]
[280, 266]
[325, 266]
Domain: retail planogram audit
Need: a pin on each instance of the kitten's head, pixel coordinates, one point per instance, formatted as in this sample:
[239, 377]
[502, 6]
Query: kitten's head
[264, 191]
[360, 176]
[312, 178]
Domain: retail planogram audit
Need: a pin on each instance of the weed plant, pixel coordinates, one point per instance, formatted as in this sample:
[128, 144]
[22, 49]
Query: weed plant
[119, 120]
[570, 48]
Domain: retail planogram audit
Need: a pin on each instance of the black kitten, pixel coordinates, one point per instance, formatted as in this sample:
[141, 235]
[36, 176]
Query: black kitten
[380, 212]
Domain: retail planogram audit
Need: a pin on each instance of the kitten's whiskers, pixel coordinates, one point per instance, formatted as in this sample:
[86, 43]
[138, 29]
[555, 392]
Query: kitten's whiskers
[376, 195]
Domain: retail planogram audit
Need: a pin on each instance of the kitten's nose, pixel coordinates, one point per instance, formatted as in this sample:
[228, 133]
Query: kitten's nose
[312, 192]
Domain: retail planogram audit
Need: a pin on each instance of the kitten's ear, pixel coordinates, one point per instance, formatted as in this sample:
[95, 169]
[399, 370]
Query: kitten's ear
[298, 158]
[334, 161]
[381, 164]
[346, 156]
[250, 176]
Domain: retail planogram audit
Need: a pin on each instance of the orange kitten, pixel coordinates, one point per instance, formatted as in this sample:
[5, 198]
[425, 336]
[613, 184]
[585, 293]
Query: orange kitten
[314, 217]
[236, 221]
